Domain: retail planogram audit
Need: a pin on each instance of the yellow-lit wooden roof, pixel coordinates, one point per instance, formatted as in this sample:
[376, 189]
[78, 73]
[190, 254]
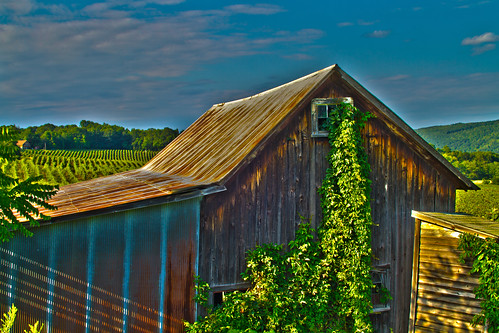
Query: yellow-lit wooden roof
[461, 222]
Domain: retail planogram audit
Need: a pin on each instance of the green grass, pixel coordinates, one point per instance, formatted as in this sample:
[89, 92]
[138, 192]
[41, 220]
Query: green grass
[483, 203]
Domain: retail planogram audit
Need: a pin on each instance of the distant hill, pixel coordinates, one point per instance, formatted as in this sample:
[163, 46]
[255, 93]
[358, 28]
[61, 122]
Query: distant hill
[467, 137]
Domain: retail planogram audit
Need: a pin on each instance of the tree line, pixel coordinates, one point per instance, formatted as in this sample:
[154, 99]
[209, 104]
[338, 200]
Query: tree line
[478, 165]
[92, 135]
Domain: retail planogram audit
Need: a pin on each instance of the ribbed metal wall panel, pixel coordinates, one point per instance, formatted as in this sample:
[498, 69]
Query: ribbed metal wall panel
[130, 271]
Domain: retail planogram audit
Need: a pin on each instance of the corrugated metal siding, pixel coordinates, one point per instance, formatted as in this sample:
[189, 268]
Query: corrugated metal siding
[445, 298]
[125, 272]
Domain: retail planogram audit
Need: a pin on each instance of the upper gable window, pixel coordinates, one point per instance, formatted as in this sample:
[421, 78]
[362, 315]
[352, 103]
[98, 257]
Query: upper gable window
[321, 109]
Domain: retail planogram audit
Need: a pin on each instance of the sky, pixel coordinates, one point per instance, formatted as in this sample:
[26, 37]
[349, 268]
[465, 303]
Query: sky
[162, 63]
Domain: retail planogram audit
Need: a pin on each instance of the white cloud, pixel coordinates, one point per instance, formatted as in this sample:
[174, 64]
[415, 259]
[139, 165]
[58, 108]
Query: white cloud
[364, 23]
[359, 22]
[258, 9]
[16, 7]
[396, 77]
[378, 34]
[425, 100]
[345, 24]
[487, 37]
[166, 2]
[482, 49]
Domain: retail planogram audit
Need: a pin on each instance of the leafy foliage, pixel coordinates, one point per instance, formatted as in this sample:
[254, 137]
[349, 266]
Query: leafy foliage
[475, 165]
[485, 255]
[345, 232]
[8, 321]
[290, 292]
[481, 136]
[21, 196]
[314, 285]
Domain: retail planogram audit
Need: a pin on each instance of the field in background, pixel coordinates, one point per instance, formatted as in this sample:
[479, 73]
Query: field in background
[64, 167]
[483, 203]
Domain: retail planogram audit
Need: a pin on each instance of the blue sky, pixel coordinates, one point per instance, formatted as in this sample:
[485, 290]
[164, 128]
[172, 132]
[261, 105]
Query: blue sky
[157, 63]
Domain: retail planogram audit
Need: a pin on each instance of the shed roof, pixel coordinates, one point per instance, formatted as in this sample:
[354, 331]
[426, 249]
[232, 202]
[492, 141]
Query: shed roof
[461, 223]
[224, 139]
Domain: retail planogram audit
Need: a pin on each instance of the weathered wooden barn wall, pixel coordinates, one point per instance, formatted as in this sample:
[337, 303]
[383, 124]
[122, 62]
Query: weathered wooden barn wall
[126, 271]
[401, 181]
[265, 199]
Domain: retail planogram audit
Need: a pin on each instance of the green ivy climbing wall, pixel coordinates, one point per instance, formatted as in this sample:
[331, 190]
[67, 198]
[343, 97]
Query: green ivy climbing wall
[321, 281]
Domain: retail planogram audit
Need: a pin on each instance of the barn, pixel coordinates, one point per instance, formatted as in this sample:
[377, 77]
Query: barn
[443, 298]
[121, 251]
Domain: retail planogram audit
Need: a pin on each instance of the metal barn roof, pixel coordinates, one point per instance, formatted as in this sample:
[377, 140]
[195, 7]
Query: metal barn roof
[213, 146]
[225, 138]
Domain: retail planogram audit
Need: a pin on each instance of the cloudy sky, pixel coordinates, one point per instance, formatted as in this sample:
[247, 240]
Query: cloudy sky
[157, 63]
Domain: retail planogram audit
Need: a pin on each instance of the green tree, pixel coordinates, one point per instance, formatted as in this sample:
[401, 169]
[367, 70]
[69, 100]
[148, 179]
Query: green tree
[23, 197]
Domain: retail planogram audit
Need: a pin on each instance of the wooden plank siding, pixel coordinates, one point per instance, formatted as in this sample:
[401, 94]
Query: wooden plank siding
[264, 201]
[443, 287]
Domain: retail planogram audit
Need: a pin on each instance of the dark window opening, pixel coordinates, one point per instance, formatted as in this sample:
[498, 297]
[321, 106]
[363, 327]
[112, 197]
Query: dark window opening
[219, 296]
[321, 110]
[380, 293]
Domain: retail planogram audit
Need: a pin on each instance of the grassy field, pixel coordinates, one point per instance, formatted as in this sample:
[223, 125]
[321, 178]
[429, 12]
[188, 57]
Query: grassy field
[484, 203]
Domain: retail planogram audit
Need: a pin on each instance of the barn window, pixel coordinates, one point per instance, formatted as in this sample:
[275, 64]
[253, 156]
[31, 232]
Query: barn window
[380, 293]
[219, 292]
[321, 109]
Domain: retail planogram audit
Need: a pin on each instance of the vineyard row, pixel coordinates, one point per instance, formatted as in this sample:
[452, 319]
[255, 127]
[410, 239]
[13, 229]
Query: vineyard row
[65, 167]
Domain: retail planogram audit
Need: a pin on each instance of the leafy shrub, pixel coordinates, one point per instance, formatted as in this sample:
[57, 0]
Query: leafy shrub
[9, 319]
[485, 255]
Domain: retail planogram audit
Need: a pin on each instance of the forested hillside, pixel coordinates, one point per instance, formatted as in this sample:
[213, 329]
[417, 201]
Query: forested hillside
[91, 135]
[467, 137]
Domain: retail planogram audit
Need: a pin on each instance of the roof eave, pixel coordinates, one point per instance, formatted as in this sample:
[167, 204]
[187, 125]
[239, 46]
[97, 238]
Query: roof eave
[175, 196]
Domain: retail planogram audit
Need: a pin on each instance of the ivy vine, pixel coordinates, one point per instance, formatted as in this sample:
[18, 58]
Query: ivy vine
[485, 256]
[345, 232]
[316, 284]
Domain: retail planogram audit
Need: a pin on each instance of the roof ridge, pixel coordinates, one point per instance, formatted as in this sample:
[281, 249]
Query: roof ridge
[329, 68]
